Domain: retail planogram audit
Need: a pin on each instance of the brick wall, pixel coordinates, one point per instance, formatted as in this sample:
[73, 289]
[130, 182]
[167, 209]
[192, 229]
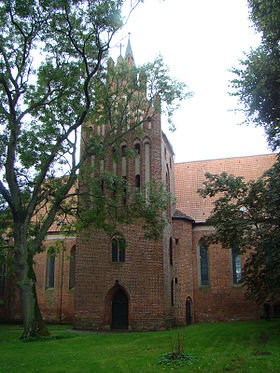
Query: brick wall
[142, 277]
[57, 303]
[182, 267]
[221, 300]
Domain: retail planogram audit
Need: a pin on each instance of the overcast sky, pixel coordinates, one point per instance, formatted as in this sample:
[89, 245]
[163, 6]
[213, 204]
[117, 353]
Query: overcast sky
[200, 40]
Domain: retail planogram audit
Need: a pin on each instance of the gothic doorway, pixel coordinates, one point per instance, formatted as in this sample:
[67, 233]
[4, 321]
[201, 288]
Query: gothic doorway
[189, 311]
[119, 310]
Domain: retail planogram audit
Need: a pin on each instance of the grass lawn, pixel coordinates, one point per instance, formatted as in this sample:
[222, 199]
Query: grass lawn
[252, 346]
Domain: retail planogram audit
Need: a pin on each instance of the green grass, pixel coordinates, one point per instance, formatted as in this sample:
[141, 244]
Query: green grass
[252, 346]
[16, 326]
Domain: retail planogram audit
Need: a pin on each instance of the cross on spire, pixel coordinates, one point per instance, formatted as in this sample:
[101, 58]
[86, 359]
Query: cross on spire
[120, 45]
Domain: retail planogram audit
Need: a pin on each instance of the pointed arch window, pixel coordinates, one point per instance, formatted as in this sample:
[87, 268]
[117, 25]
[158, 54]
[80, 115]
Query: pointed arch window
[50, 269]
[204, 264]
[124, 154]
[118, 250]
[236, 267]
[137, 181]
[167, 178]
[124, 172]
[167, 186]
[124, 190]
[114, 250]
[72, 269]
[147, 161]
[137, 148]
[147, 150]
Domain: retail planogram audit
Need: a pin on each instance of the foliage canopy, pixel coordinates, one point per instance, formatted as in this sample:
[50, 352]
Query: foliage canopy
[246, 218]
[257, 83]
[246, 214]
[52, 81]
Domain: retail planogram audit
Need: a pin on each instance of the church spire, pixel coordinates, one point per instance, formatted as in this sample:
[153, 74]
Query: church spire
[128, 53]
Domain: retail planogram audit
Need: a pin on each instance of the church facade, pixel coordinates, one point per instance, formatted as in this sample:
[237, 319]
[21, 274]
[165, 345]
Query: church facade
[135, 283]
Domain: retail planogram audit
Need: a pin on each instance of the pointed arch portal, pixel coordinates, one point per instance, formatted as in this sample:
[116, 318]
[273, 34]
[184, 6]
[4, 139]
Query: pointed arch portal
[119, 310]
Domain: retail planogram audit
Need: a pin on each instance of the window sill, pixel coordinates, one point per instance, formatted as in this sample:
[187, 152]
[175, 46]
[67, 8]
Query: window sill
[118, 263]
[203, 287]
[236, 285]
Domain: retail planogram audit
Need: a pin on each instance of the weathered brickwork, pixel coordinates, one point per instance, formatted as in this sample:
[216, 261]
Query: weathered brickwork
[182, 267]
[221, 300]
[157, 284]
[140, 276]
[57, 302]
[145, 275]
[10, 302]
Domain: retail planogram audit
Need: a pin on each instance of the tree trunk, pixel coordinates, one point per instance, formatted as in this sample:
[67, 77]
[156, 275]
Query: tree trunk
[33, 323]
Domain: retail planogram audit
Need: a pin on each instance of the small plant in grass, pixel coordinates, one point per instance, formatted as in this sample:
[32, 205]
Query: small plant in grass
[177, 355]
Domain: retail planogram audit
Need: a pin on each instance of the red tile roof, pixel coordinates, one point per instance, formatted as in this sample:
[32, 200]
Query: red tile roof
[189, 177]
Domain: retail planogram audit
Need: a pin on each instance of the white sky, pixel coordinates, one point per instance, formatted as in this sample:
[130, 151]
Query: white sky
[200, 40]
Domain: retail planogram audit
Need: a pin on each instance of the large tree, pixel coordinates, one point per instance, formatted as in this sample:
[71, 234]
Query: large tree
[52, 73]
[247, 220]
[246, 215]
[257, 84]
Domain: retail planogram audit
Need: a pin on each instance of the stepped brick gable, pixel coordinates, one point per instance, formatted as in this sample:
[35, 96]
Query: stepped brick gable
[128, 281]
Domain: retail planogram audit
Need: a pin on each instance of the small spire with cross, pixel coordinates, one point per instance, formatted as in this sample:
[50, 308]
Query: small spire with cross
[128, 53]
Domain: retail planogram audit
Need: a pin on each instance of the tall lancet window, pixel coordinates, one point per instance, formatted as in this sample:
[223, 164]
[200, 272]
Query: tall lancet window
[118, 250]
[72, 268]
[167, 186]
[50, 269]
[167, 179]
[124, 172]
[147, 161]
[147, 165]
[204, 264]
[137, 149]
[236, 267]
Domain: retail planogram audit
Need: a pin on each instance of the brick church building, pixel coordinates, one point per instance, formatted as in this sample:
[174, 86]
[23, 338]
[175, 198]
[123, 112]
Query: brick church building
[135, 283]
